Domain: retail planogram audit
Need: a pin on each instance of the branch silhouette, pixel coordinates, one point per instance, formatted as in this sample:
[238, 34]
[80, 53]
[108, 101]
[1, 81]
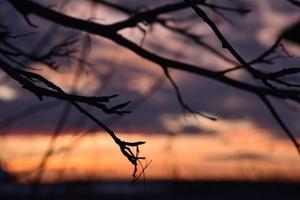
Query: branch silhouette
[273, 83]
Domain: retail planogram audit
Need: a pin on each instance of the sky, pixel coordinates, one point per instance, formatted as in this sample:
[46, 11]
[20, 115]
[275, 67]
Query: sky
[157, 116]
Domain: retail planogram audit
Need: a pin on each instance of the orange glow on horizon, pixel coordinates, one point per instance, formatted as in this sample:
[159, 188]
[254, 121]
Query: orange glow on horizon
[237, 152]
[225, 150]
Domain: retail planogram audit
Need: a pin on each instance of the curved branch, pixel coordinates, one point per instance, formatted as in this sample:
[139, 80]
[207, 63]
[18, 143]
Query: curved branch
[106, 32]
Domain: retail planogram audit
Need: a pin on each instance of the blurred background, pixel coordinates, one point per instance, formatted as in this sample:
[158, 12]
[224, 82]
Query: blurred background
[49, 148]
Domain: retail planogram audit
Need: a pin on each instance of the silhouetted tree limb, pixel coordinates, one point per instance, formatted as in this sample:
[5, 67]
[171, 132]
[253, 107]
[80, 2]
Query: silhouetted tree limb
[106, 32]
[112, 32]
[263, 58]
[153, 13]
[294, 2]
[254, 72]
[280, 122]
[27, 79]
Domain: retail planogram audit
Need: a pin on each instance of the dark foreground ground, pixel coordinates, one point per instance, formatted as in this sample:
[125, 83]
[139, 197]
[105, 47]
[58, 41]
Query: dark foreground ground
[155, 190]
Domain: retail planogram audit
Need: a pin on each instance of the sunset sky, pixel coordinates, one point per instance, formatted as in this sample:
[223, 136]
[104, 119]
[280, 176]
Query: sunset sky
[235, 151]
[245, 143]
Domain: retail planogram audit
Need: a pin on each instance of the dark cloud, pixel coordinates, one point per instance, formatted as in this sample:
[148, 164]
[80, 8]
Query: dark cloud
[250, 156]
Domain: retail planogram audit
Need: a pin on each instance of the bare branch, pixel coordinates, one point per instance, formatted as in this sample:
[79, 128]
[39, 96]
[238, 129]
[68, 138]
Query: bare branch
[280, 122]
